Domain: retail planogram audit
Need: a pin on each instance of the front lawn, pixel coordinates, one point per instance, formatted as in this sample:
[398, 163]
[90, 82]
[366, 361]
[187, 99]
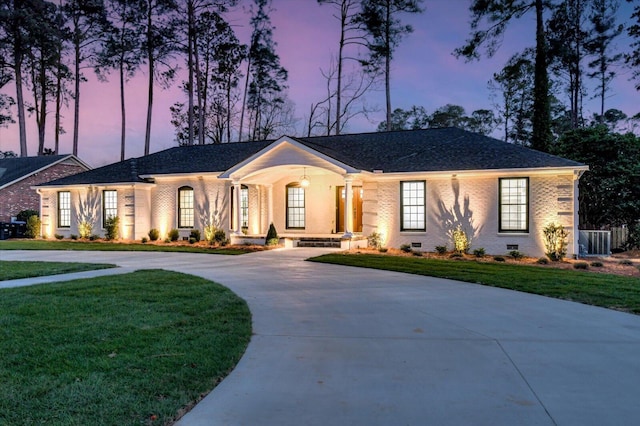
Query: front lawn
[132, 349]
[606, 290]
[118, 246]
[27, 269]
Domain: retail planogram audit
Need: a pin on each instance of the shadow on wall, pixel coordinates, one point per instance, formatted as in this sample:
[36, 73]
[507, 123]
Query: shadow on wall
[448, 218]
[89, 207]
[212, 214]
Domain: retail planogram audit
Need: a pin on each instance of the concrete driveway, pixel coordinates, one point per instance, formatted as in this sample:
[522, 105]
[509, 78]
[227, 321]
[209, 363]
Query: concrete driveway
[335, 345]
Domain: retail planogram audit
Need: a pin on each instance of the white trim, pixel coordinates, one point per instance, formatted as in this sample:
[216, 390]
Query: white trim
[515, 172]
[95, 185]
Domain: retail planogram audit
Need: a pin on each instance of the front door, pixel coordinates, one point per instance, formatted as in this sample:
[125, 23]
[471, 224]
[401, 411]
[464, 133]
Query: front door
[357, 209]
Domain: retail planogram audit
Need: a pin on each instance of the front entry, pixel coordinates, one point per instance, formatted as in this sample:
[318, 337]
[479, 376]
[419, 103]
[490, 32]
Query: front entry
[357, 209]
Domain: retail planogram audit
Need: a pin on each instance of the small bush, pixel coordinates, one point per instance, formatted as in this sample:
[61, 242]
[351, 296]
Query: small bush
[596, 264]
[220, 237]
[94, 237]
[461, 242]
[542, 261]
[498, 258]
[192, 240]
[383, 249]
[144, 240]
[174, 235]
[24, 215]
[555, 241]
[272, 236]
[58, 236]
[74, 237]
[516, 254]
[375, 240]
[625, 262]
[167, 241]
[111, 228]
[581, 265]
[33, 227]
[441, 249]
[455, 255]
[406, 248]
[85, 229]
[154, 234]
[417, 253]
[479, 252]
[195, 234]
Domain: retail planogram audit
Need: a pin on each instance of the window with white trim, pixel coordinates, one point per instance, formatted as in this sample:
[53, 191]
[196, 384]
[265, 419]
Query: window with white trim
[185, 207]
[413, 205]
[244, 206]
[514, 205]
[109, 205]
[295, 206]
[64, 209]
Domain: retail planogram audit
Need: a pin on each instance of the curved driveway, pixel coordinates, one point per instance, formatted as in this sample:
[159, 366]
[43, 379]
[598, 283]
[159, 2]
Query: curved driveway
[335, 345]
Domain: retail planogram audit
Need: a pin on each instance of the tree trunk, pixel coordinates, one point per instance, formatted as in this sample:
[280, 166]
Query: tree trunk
[387, 60]
[244, 98]
[190, 42]
[199, 88]
[42, 122]
[343, 23]
[147, 135]
[20, 100]
[76, 100]
[58, 103]
[541, 111]
[123, 115]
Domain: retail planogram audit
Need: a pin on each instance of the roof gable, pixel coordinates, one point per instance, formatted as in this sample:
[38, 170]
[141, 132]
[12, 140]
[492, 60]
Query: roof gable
[15, 169]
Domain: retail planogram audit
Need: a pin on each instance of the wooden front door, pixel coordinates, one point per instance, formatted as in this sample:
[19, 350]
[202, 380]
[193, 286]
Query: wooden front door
[357, 208]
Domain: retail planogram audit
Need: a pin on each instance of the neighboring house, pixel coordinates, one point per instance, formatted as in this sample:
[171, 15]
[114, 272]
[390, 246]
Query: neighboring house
[19, 174]
[411, 187]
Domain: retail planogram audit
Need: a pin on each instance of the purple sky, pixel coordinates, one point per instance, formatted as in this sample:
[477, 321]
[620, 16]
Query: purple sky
[424, 73]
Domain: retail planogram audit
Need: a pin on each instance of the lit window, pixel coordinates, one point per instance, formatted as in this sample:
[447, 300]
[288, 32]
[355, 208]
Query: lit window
[514, 205]
[64, 209]
[109, 205]
[413, 209]
[295, 207]
[244, 206]
[185, 207]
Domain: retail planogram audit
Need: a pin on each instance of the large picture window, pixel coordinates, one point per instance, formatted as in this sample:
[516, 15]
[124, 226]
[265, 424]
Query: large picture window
[109, 205]
[514, 205]
[295, 206]
[413, 206]
[64, 209]
[185, 207]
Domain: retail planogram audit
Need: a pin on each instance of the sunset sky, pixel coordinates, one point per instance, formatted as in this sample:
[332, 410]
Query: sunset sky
[424, 73]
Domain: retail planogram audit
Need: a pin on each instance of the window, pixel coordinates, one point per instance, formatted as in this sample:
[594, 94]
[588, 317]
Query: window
[295, 206]
[109, 205]
[185, 207]
[64, 209]
[244, 206]
[514, 205]
[413, 196]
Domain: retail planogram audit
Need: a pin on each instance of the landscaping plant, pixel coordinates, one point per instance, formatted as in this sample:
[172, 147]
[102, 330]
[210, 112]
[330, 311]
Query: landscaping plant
[33, 227]
[461, 242]
[555, 241]
[272, 236]
[111, 228]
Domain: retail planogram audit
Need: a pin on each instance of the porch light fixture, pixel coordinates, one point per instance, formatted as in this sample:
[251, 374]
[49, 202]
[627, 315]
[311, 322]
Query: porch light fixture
[304, 181]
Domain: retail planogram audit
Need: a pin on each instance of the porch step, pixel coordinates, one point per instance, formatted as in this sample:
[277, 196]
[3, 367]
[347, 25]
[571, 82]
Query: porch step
[319, 242]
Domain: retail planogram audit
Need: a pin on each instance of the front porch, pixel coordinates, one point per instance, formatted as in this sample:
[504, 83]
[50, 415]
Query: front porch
[291, 240]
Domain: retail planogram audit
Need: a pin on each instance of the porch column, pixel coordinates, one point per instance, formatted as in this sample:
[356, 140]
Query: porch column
[269, 206]
[237, 212]
[348, 207]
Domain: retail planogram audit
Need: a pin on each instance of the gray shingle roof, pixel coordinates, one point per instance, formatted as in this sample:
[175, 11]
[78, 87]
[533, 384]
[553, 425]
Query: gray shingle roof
[15, 168]
[447, 149]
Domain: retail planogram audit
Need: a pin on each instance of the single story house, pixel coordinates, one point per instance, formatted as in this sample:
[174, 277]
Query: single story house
[411, 187]
[18, 175]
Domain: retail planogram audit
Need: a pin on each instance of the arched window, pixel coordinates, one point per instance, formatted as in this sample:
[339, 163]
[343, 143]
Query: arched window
[295, 206]
[185, 207]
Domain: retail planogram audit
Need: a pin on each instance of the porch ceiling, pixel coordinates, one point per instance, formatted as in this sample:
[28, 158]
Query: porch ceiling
[274, 174]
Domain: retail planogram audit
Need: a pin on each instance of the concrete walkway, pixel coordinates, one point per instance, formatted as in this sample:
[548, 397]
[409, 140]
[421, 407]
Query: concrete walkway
[335, 345]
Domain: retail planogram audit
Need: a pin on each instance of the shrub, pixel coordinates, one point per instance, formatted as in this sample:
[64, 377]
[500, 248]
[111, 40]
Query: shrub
[174, 235]
[58, 236]
[24, 215]
[167, 241]
[383, 249]
[111, 228]
[375, 240]
[581, 265]
[94, 237]
[479, 252]
[516, 254]
[74, 237]
[441, 249]
[633, 238]
[596, 264]
[406, 248]
[85, 229]
[498, 258]
[33, 226]
[192, 240]
[625, 262]
[272, 236]
[555, 241]
[154, 234]
[461, 242]
[416, 253]
[195, 234]
[144, 240]
[455, 255]
[542, 261]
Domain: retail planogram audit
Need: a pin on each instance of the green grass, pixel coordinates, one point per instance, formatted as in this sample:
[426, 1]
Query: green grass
[106, 246]
[606, 290]
[132, 349]
[26, 269]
